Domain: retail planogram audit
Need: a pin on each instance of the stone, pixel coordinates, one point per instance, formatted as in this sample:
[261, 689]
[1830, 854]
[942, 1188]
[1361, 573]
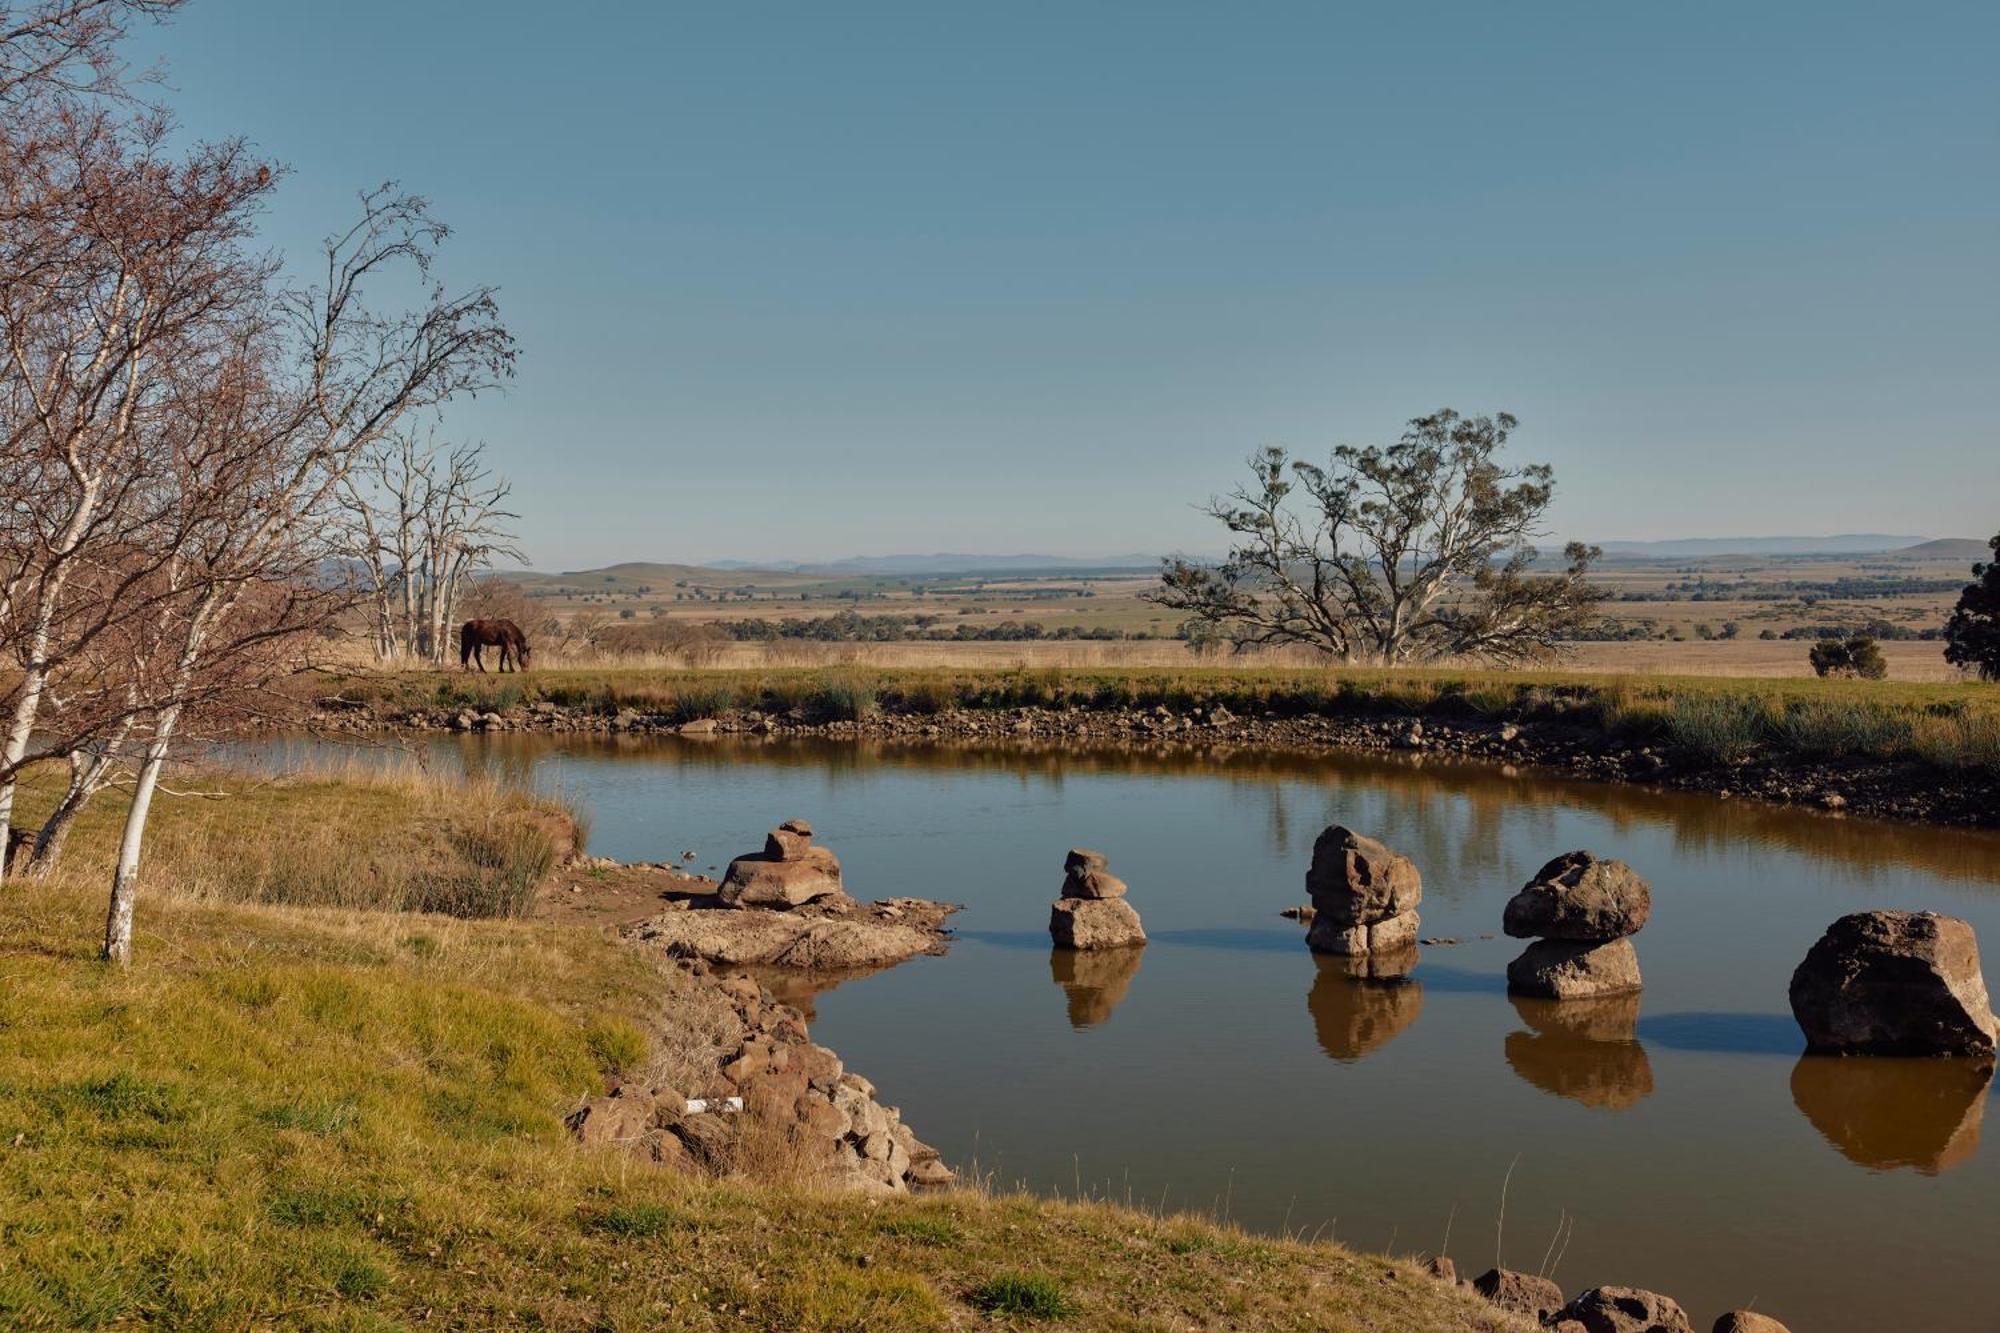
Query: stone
[1094, 923]
[611, 1121]
[1355, 880]
[760, 881]
[1394, 935]
[1579, 896]
[1626, 1310]
[1748, 1321]
[1443, 1269]
[1523, 1293]
[783, 844]
[1894, 983]
[799, 826]
[1574, 969]
[1093, 884]
[1082, 859]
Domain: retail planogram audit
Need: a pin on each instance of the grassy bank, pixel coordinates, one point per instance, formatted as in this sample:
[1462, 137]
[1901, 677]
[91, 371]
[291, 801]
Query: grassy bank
[347, 1120]
[386, 837]
[1951, 726]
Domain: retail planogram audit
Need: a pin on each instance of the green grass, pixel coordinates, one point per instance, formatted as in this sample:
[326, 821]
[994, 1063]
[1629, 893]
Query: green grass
[1949, 725]
[286, 1117]
[1023, 1295]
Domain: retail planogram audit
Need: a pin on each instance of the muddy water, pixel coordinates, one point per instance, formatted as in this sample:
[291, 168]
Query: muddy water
[1677, 1141]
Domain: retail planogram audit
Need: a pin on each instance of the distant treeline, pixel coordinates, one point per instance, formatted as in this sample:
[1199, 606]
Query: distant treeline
[852, 627]
[1806, 590]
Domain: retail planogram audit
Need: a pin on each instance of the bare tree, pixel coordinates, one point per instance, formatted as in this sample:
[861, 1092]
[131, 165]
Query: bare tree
[419, 520]
[67, 48]
[335, 379]
[122, 271]
[1412, 552]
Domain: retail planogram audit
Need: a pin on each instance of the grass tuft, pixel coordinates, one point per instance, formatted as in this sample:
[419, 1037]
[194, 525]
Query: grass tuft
[1023, 1296]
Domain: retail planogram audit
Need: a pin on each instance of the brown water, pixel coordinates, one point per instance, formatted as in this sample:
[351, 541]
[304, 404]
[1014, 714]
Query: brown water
[1678, 1139]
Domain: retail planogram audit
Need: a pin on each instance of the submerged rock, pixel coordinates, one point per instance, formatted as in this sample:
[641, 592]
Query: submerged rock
[1894, 983]
[1574, 969]
[1578, 896]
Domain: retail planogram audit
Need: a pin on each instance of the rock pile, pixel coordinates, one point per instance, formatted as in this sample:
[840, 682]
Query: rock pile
[1364, 896]
[1581, 912]
[795, 1094]
[789, 872]
[1623, 1310]
[1092, 912]
[1894, 983]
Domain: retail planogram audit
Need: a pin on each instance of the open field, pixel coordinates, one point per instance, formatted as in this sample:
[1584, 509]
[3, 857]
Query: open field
[323, 1118]
[1746, 604]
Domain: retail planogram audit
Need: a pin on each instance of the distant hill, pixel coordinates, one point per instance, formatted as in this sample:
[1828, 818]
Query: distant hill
[1949, 548]
[944, 563]
[1857, 543]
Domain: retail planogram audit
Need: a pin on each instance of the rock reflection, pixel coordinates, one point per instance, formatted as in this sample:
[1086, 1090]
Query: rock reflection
[1585, 1050]
[1360, 1004]
[1095, 980]
[1885, 1112]
[799, 988]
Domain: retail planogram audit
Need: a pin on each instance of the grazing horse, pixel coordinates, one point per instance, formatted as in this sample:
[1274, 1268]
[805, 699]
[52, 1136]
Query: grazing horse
[502, 634]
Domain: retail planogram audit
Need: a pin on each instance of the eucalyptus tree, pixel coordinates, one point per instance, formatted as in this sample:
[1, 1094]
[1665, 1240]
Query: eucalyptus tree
[1410, 552]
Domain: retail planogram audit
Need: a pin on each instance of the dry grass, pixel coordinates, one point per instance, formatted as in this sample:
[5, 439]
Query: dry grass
[381, 837]
[322, 1119]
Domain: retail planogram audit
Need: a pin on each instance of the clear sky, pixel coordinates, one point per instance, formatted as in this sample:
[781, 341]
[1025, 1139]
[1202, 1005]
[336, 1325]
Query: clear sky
[823, 279]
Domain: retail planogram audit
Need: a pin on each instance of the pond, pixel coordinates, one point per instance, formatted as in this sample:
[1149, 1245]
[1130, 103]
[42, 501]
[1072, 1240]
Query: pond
[1679, 1142]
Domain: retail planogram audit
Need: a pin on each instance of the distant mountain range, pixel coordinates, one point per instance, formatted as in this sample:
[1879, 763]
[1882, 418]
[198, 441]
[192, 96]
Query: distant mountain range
[945, 563]
[1853, 543]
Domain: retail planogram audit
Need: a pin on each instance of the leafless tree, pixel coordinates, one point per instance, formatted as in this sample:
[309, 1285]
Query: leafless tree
[67, 48]
[123, 276]
[337, 379]
[418, 521]
[1412, 552]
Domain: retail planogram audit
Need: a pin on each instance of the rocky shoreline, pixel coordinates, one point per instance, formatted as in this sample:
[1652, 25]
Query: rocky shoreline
[1875, 788]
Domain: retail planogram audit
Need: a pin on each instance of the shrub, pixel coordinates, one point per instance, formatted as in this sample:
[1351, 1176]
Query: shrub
[1855, 656]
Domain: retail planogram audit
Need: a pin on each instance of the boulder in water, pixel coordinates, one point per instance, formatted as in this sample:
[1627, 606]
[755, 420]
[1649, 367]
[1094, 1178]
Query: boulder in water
[1894, 983]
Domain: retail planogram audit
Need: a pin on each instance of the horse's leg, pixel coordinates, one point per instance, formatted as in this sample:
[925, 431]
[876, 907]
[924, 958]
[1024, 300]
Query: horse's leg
[478, 658]
[506, 656]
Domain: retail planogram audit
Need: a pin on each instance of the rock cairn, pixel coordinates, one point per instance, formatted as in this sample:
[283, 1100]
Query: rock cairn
[1581, 912]
[1894, 983]
[1364, 896]
[1092, 912]
[793, 1091]
[789, 872]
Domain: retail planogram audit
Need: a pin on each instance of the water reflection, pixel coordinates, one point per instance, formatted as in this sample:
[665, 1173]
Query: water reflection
[1359, 1005]
[1585, 1050]
[1095, 981]
[1885, 1113]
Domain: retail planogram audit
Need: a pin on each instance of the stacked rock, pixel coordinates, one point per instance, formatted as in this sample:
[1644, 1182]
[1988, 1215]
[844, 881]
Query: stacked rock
[1092, 912]
[1364, 896]
[789, 872]
[1581, 911]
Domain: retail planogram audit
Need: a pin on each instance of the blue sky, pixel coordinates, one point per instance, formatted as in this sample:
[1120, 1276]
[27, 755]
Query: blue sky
[799, 281]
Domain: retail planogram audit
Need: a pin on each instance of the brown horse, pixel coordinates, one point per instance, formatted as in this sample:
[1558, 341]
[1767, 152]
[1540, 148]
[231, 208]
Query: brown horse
[502, 634]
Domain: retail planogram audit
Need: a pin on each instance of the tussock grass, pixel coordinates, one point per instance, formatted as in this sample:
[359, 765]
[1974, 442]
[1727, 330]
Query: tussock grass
[290, 1117]
[387, 838]
[1950, 725]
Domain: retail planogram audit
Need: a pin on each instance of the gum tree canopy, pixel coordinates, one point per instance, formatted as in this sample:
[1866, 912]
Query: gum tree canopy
[1409, 553]
[1972, 635]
